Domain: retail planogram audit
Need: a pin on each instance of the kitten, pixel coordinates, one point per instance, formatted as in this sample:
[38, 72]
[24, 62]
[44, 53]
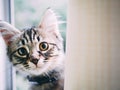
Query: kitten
[37, 52]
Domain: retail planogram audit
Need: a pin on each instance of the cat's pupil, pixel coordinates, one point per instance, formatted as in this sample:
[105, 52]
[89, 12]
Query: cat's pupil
[22, 51]
[44, 46]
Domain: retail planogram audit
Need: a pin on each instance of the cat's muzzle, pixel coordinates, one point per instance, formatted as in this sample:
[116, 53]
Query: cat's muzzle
[34, 60]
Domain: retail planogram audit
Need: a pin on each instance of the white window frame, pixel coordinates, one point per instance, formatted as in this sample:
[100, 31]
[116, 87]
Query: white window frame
[8, 73]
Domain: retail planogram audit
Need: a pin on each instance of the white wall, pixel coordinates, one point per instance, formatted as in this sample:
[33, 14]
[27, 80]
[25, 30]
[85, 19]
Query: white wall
[93, 45]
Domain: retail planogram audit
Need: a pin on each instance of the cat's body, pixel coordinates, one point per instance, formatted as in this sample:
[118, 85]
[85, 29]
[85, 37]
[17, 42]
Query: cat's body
[37, 52]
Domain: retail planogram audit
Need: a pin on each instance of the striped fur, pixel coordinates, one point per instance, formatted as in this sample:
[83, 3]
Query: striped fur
[30, 35]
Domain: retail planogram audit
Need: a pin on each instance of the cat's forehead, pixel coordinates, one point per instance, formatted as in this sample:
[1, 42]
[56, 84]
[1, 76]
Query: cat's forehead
[34, 35]
[30, 35]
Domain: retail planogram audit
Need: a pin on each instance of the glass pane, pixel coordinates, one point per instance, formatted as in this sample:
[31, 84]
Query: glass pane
[29, 13]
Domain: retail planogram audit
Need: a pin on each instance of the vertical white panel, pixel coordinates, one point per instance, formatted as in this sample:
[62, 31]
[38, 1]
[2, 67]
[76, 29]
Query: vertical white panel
[2, 55]
[6, 81]
[93, 45]
[1, 9]
[2, 64]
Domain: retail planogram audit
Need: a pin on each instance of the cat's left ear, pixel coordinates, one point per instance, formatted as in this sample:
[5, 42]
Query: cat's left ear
[7, 31]
[50, 22]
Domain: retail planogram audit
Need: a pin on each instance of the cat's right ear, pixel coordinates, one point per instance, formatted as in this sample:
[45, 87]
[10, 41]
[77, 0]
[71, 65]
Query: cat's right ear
[7, 31]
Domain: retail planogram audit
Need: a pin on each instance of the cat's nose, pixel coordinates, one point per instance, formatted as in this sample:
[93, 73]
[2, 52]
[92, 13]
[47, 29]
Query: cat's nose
[34, 60]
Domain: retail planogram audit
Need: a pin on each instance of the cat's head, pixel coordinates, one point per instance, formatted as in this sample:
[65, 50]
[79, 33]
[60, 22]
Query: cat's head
[35, 50]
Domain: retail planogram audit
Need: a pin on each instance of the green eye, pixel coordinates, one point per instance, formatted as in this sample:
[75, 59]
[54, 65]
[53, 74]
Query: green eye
[22, 51]
[43, 46]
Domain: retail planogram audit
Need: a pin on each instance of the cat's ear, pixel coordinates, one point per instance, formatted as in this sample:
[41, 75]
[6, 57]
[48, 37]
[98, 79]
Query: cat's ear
[49, 19]
[50, 22]
[7, 31]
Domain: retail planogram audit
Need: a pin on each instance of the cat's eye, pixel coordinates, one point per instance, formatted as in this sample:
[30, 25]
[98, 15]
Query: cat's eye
[22, 51]
[43, 46]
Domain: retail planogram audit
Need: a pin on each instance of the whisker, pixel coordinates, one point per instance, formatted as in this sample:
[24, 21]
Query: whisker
[54, 55]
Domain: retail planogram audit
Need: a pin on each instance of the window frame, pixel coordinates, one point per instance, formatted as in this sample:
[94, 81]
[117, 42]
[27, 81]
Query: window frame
[7, 14]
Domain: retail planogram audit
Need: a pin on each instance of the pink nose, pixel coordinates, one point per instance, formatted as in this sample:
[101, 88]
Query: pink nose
[34, 60]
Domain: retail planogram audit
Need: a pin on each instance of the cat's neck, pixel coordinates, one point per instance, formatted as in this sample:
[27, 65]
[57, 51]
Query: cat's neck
[51, 77]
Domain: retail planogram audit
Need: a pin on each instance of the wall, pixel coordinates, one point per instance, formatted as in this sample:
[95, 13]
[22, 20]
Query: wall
[93, 45]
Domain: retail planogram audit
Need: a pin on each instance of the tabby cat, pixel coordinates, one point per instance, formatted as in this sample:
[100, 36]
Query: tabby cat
[37, 52]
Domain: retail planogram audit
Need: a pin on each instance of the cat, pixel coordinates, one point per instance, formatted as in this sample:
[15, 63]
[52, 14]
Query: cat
[37, 52]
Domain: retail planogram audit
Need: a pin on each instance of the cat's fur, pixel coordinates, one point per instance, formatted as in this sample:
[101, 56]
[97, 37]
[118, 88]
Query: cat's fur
[37, 52]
